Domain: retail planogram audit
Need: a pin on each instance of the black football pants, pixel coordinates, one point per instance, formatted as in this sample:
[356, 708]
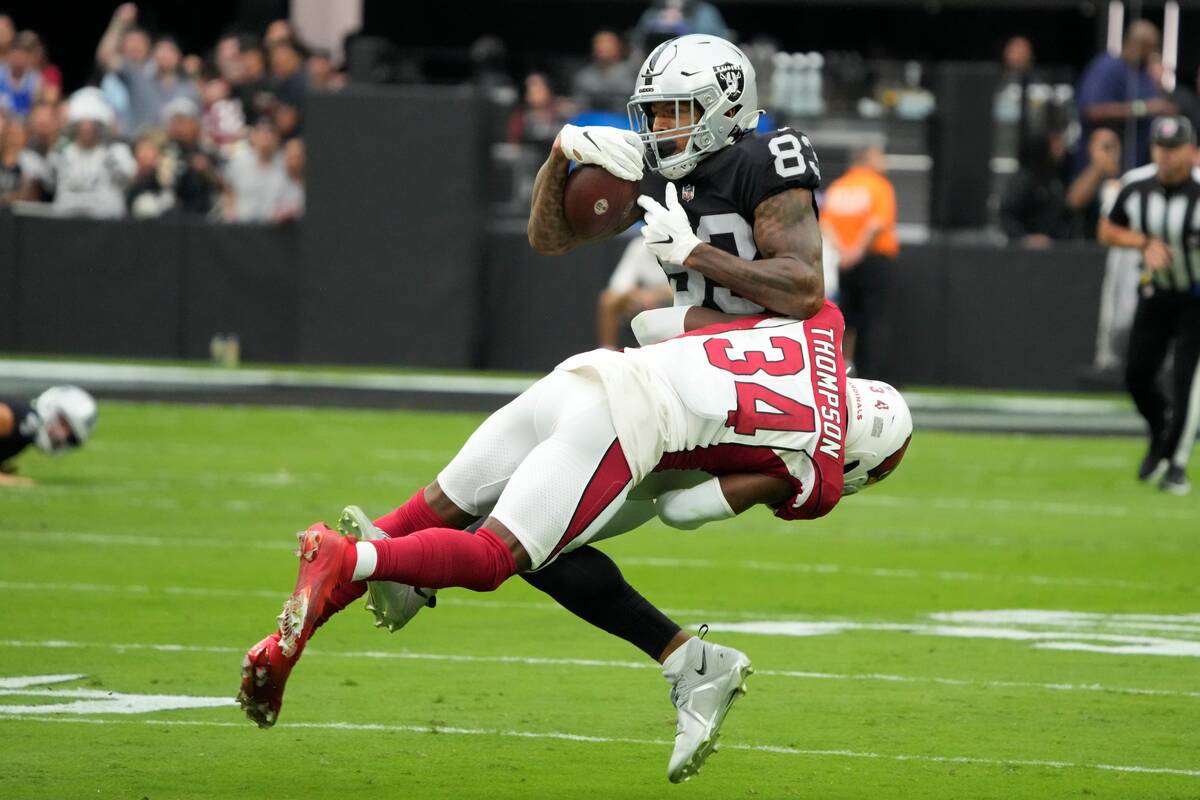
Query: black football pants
[1163, 318]
[862, 297]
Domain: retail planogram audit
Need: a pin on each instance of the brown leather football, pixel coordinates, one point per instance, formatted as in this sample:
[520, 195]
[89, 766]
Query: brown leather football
[595, 201]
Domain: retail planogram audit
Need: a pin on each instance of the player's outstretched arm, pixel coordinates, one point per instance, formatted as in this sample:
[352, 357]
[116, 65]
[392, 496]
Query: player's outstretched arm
[549, 233]
[719, 498]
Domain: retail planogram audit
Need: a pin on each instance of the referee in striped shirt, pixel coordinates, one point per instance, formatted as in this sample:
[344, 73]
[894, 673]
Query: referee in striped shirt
[1158, 212]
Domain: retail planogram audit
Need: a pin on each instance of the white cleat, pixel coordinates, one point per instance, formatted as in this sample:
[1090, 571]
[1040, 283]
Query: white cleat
[393, 604]
[705, 681]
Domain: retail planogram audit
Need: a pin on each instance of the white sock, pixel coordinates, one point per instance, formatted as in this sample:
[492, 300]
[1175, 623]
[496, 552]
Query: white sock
[367, 559]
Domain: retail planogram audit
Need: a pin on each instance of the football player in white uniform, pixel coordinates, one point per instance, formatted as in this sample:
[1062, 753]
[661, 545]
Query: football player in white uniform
[761, 405]
[739, 237]
[57, 421]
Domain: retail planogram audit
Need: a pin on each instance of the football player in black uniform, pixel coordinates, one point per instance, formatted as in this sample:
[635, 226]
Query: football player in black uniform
[731, 217]
[729, 213]
[58, 420]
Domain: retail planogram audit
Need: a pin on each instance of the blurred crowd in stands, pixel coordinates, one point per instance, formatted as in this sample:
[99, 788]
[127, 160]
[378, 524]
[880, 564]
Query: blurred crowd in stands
[1071, 160]
[1074, 132]
[217, 135]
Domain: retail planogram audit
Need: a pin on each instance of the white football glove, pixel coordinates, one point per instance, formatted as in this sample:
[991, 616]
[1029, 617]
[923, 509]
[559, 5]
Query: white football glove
[612, 149]
[667, 232]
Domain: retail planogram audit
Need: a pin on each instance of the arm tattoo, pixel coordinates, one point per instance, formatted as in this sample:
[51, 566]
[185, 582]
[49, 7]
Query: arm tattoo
[788, 279]
[548, 230]
[785, 225]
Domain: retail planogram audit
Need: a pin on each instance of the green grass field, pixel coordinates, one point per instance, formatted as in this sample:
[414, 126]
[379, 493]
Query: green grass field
[151, 560]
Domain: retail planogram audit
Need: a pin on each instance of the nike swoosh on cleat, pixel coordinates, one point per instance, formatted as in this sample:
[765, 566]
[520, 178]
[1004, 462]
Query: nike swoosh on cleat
[703, 662]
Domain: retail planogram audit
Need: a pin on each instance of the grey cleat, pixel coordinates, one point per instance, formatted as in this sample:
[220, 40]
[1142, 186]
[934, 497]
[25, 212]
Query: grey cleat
[705, 681]
[393, 604]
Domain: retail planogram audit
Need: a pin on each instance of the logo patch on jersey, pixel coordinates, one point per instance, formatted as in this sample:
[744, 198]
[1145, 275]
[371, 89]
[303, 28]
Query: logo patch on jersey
[688, 193]
[731, 79]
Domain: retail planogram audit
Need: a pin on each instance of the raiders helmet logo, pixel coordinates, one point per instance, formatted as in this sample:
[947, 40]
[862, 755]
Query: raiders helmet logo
[731, 80]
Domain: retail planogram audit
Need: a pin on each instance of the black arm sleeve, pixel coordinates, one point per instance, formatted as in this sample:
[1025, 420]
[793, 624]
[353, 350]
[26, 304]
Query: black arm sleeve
[587, 583]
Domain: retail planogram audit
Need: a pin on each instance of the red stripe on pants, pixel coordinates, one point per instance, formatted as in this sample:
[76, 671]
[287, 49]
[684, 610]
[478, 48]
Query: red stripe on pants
[609, 479]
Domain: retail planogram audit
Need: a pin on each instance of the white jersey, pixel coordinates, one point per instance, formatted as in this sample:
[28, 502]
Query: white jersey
[764, 394]
[91, 182]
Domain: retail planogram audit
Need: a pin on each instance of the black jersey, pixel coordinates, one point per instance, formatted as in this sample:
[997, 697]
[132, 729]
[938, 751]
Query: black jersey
[1170, 213]
[26, 424]
[720, 196]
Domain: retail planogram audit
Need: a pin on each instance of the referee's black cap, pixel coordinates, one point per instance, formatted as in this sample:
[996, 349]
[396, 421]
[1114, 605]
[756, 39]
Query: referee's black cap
[1172, 131]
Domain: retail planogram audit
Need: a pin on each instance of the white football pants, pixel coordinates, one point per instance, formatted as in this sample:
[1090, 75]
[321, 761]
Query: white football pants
[548, 466]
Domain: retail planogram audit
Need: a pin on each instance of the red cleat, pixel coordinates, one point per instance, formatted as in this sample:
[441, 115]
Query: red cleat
[268, 664]
[265, 671]
[322, 551]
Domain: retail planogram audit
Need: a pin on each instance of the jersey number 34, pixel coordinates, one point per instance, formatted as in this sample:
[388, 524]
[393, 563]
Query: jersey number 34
[760, 408]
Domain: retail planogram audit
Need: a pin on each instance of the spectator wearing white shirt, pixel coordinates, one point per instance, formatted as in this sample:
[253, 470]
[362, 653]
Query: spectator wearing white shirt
[255, 178]
[88, 176]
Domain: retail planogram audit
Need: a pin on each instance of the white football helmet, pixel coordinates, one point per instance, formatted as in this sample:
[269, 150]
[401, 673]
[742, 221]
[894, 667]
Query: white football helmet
[707, 75]
[878, 434]
[73, 406]
[89, 103]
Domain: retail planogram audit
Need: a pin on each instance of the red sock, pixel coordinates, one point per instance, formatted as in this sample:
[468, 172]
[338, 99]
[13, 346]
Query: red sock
[441, 557]
[413, 516]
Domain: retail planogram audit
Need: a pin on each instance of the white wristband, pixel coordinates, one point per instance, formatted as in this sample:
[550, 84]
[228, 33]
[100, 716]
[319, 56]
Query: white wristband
[659, 324]
[690, 508]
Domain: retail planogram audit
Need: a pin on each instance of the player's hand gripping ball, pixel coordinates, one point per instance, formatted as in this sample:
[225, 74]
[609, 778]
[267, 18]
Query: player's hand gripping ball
[615, 151]
[667, 232]
[603, 187]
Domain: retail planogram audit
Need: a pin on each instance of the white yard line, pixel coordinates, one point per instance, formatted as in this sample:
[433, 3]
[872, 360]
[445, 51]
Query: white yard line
[58, 644]
[1025, 508]
[457, 600]
[137, 375]
[103, 539]
[588, 739]
[117, 540]
[133, 375]
[886, 572]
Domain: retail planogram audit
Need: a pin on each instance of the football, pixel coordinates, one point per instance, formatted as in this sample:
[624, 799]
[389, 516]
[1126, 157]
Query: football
[595, 200]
